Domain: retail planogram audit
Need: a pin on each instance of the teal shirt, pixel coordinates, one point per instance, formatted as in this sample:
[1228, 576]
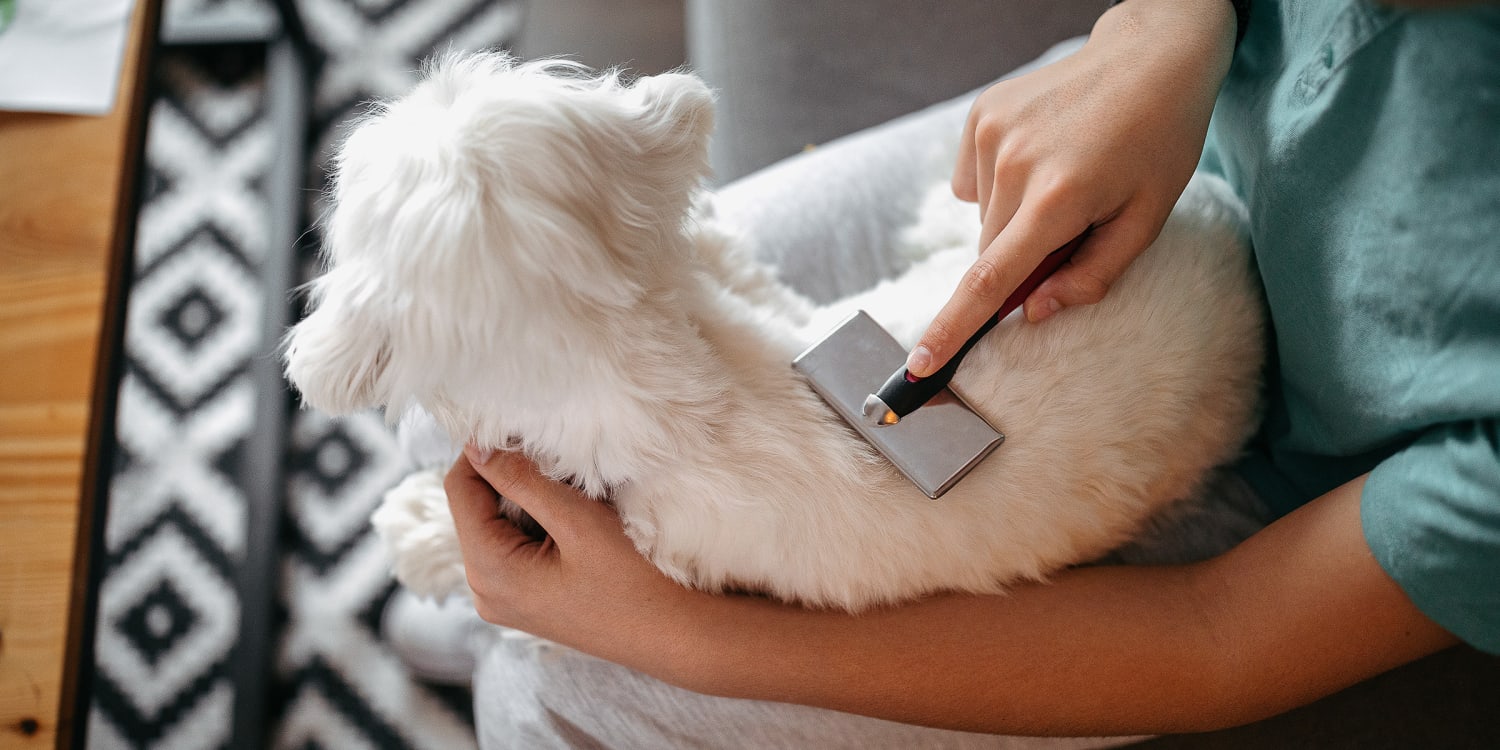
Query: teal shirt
[1366, 143]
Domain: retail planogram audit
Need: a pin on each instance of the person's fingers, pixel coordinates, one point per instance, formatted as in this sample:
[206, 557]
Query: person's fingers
[985, 167]
[1000, 207]
[991, 166]
[554, 505]
[965, 187]
[1015, 253]
[482, 531]
[1098, 263]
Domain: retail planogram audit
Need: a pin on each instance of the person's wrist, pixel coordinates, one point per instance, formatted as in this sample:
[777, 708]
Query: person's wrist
[707, 643]
[1180, 46]
[1200, 26]
[676, 650]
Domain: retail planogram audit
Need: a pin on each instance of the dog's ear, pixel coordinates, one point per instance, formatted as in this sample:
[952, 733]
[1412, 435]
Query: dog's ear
[678, 116]
[338, 355]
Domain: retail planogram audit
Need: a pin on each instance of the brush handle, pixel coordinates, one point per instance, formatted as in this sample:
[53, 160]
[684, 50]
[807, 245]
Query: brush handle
[904, 392]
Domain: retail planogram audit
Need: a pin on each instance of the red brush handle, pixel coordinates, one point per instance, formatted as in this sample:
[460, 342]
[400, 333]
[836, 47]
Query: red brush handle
[1047, 267]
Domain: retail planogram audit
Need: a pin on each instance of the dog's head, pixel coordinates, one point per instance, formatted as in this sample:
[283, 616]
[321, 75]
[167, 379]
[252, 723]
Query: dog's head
[482, 221]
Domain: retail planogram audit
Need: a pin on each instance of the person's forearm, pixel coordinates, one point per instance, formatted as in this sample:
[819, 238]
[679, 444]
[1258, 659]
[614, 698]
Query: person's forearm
[1299, 610]
[1098, 651]
[1295, 613]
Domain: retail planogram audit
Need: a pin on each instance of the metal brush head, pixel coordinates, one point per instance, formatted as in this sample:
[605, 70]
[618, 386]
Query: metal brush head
[877, 414]
[934, 446]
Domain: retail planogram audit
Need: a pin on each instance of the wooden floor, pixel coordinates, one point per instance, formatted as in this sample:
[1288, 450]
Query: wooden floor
[61, 226]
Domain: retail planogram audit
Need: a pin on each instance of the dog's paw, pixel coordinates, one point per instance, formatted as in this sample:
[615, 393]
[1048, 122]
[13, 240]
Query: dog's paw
[417, 528]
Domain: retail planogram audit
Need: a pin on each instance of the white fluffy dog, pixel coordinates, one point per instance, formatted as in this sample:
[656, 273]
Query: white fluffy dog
[515, 249]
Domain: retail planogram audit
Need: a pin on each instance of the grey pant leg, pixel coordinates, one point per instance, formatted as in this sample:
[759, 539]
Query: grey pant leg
[539, 695]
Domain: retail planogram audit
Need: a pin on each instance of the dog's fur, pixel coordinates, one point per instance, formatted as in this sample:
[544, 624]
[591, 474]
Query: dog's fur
[514, 249]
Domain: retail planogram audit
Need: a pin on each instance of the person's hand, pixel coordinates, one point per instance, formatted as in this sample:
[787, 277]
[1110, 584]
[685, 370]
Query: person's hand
[1102, 141]
[584, 585]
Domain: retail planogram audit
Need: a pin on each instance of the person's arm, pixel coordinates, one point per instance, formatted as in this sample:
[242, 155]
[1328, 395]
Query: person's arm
[1297, 612]
[1104, 140]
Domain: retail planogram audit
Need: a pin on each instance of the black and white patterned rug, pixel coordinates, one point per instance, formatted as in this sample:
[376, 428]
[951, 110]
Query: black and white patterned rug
[173, 620]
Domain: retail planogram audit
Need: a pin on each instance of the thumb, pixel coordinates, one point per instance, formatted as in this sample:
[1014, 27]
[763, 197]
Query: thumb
[516, 478]
[1098, 263]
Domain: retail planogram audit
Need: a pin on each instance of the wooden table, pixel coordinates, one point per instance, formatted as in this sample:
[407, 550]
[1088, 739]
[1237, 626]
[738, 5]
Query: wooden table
[67, 206]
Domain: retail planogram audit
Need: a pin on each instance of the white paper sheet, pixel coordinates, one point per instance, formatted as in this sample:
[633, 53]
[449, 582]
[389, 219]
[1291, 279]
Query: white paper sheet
[63, 55]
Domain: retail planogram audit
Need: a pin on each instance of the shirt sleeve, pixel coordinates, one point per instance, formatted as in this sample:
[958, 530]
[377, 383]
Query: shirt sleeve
[1431, 515]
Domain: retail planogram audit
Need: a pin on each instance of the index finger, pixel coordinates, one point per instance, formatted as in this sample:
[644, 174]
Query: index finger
[560, 509]
[1000, 269]
[475, 506]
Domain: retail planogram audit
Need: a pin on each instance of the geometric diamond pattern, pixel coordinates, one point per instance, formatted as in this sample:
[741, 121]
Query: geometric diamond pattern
[201, 320]
[164, 676]
[342, 686]
[336, 472]
[174, 538]
[374, 49]
[193, 317]
[175, 464]
[208, 146]
[157, 622]
[175, 535]
[330, 461]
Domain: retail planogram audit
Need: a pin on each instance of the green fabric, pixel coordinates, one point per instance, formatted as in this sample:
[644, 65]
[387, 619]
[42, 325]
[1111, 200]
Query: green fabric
[1366, 142]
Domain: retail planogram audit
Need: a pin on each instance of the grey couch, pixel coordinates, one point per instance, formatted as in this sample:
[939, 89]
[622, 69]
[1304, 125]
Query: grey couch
[792, 74]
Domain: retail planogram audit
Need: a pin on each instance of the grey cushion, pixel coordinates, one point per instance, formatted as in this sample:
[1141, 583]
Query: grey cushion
[828, 218]
[792, 72]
